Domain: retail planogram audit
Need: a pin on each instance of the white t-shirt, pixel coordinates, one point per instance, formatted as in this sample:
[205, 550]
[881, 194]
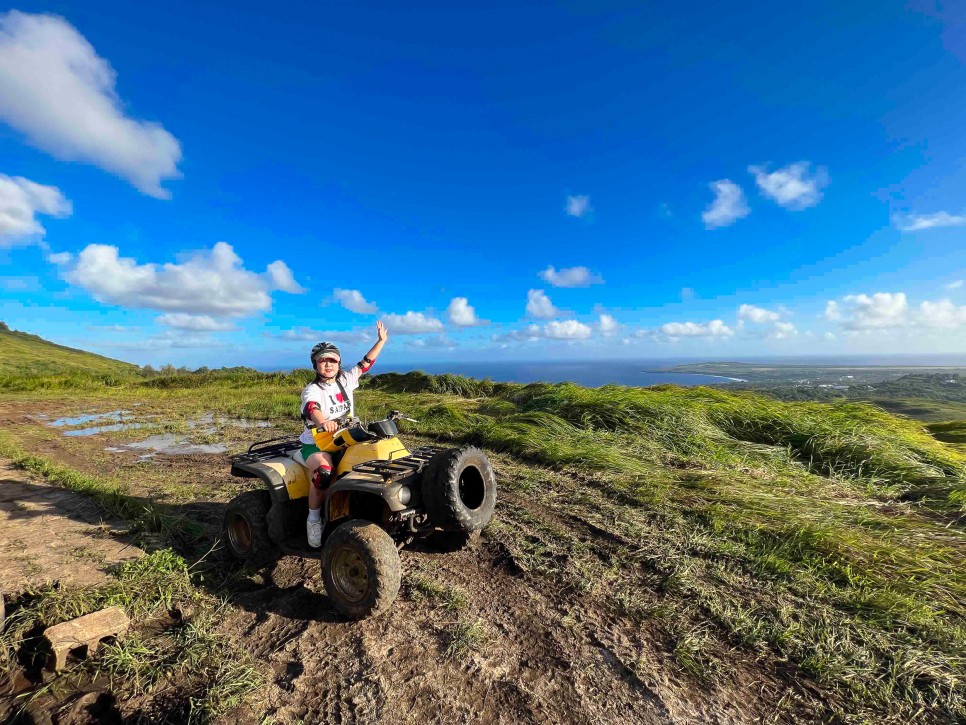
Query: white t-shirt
[332, 404]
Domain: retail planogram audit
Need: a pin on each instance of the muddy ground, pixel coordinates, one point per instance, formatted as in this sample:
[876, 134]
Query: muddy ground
[53, 535]
[542, 650]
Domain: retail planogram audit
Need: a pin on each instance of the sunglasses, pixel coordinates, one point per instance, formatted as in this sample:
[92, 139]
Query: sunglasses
[328, 361]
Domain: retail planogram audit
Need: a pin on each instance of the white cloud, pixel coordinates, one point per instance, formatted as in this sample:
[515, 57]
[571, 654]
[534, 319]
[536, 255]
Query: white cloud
[942, 314]
[207, 283]
[353, 301]
[767, 323]
[171, 339]
[20, 202]
[58, 92]
[555, 330]
[566, 330]
[782, 331]
[918, 222]
[433, 342]
[954, 285]
[570, 277]
[281, 279]
[578, 206]
[888, 310]
[114, 328]
[792, 187]
[751, 313]
[462, 314]
[305, 334]
[59, 257]
[412, 323]
[715, 328]
[728, 206]
[881, 310]
[607, 325]
[539, 305]
[527, 334]
[198, 323]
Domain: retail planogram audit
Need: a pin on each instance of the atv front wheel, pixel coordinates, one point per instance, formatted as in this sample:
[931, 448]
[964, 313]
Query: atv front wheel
[459, 489]
[361, 569]
[246, 528]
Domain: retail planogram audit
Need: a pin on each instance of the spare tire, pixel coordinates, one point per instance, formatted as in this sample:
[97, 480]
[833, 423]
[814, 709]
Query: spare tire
[459, 489]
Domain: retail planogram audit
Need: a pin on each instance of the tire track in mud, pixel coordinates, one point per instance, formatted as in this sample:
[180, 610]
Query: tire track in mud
[639, 653]
[394, 669]
[554, 653]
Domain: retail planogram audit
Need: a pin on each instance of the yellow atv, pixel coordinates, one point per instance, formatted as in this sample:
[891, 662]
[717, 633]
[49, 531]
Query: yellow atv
[382, 497]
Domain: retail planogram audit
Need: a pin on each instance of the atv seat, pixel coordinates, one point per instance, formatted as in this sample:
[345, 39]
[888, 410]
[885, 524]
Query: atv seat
[296, 456]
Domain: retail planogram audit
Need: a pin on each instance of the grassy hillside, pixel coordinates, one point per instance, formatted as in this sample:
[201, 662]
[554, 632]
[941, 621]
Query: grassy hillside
[22, 354]
[824, 540]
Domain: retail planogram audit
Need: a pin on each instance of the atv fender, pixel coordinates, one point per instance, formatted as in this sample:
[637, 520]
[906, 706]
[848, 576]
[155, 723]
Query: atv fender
[355, 485]
[285, 478]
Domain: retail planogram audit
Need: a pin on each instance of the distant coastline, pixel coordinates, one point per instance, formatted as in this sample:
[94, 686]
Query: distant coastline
[588, 373]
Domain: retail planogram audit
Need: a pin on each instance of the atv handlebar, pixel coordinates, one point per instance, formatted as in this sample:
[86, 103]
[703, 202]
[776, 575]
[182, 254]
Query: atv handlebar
[396, 415]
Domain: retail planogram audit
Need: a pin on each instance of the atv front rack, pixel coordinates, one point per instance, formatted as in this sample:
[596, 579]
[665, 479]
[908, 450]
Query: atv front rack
[263, 450]
[399, 467]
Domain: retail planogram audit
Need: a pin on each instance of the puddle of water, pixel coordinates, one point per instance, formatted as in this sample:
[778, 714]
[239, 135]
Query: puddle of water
[212, 423]
[208, 423]
[243, 423]
[102, 429]
[90, 418]
[170, 443]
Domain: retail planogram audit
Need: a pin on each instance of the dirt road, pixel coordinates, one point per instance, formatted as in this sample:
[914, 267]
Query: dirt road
[53, 535]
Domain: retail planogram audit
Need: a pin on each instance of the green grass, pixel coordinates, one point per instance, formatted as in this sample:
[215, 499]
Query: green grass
[114, 496]
[466, 636]
[423, 585]
[29, 354]
[826, 536]
[190, 650]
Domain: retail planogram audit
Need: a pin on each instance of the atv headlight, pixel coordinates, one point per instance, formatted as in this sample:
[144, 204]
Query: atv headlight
[403, 495]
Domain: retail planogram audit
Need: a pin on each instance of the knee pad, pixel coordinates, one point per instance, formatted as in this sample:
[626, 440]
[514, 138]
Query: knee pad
[321, 477]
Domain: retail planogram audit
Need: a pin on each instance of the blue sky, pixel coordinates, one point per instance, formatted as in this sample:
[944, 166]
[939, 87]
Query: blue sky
[204, 185]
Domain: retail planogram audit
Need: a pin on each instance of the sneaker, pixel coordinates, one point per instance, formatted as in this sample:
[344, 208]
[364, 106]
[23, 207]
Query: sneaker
[313, 530]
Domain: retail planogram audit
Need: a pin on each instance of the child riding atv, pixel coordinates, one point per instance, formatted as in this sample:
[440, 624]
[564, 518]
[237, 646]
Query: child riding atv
[325, 401]
[378, 496]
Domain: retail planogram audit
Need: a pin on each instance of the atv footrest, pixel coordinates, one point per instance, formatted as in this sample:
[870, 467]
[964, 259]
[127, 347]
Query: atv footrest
[399, 467]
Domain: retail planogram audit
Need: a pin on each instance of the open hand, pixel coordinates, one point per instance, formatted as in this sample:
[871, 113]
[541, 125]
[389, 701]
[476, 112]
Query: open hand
[381, 331]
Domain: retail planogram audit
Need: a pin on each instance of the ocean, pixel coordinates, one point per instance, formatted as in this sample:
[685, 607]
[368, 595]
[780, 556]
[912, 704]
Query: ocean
[590, 374]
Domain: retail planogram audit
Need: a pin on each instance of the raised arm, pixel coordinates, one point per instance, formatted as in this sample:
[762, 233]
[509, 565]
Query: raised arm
[382, 334]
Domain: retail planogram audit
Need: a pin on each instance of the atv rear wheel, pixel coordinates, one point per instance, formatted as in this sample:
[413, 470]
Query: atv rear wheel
[361, 569]
[246, 528]
[459, 489]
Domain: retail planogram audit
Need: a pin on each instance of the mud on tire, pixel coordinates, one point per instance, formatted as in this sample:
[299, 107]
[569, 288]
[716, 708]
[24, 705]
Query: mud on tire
[361, 569]
[459, 489]
[245, 528]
